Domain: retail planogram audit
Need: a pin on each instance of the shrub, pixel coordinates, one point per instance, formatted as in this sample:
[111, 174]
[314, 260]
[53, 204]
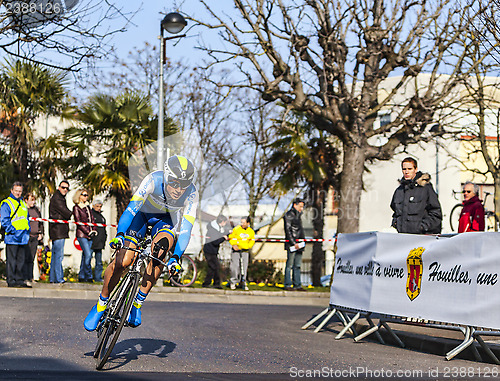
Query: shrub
[70, 273]
[44, 257]
[264, 271]
[202, 267]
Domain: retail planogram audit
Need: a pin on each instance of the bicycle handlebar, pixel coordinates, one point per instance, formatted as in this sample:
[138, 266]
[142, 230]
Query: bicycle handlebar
[143, 245]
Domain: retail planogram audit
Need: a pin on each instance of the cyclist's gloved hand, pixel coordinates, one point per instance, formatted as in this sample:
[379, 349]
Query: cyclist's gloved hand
[117, 242]
[173, 266]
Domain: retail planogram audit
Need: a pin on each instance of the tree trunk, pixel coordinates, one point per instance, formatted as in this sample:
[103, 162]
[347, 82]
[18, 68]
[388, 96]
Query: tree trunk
[318, 255]
[253, 203]
[351, 185]
[496, 180]
[24, 163]
[122, 200]
[19, 156]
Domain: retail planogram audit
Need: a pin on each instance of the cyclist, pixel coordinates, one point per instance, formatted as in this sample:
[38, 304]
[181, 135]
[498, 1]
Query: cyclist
[158, 203]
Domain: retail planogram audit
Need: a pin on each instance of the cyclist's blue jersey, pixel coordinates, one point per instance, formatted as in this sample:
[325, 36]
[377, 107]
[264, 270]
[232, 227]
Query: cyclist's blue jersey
[151, 199]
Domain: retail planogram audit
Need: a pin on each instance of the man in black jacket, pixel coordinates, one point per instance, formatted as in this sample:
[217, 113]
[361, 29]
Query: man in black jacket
[415, 203]
[216, 234]
[98, 240]
[295, 248]
[58, 232]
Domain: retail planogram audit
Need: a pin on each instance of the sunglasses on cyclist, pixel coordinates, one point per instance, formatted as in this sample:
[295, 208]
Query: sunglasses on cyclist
[176, 183]
[466, 191]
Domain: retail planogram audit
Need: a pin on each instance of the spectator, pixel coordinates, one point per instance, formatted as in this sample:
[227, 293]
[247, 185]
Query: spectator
[14, 219]
[293, 233]
[242, 239]
[216, 234]
[415, 203]
[99, 241]
[472, 215]
[36, 238]
[84, 234]
[58, 232]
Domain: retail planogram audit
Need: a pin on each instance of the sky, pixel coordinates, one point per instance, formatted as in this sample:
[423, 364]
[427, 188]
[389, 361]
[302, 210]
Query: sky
[144, 26]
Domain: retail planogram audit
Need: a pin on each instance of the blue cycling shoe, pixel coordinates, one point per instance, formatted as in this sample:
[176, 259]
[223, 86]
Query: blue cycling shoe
[92, 319]
[134, 319]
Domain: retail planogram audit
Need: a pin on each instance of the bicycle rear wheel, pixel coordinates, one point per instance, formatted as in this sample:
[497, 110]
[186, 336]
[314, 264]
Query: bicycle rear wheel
[455, 216]
[188, 273]
[114, 320]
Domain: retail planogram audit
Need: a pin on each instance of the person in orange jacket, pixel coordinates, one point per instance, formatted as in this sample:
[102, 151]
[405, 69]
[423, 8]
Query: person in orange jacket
[242, 239]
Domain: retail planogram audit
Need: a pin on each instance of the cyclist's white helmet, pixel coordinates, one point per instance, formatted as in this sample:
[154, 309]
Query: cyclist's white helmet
[178, 171]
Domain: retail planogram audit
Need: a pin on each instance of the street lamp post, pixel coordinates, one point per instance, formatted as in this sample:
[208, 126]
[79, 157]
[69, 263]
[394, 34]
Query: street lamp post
[173, 23]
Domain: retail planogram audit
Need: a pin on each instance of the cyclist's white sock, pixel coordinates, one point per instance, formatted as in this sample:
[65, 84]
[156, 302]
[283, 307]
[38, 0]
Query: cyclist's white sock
[102, 303]
[139, 299]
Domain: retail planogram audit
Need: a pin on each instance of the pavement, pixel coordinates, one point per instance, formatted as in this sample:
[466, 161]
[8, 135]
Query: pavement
[414, 336]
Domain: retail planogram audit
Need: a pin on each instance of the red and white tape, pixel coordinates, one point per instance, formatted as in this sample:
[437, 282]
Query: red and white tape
[71, 222]
[263, 239]
[257, 238]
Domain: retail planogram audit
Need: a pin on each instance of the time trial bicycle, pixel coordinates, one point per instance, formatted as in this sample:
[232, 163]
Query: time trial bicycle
[121, 300]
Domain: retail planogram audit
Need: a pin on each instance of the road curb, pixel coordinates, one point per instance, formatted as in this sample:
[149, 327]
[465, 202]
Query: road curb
[172, 294]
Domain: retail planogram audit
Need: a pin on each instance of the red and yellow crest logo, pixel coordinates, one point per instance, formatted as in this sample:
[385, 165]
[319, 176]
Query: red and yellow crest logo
[415, 272]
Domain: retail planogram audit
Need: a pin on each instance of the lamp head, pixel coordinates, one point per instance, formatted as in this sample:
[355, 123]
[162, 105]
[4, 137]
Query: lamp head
[173, 23]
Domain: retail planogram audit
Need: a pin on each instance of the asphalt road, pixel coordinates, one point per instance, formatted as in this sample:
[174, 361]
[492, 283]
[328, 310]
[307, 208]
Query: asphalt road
[45, 339]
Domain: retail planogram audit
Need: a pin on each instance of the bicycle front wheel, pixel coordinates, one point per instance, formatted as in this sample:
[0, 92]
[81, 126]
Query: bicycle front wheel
[115, 317]
[455, 216]
[187, 274]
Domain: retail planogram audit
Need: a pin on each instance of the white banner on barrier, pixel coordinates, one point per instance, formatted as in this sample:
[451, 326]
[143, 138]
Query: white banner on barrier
[450, 280]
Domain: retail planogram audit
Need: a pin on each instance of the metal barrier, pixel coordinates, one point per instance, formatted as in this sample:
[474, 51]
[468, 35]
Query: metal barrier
[471, 334]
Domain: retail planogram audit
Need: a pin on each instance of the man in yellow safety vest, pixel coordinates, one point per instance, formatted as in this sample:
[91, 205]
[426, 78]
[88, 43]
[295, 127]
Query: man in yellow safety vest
[14, 220]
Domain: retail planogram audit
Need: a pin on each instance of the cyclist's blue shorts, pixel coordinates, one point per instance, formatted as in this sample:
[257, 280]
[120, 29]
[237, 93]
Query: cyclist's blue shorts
[161, 222]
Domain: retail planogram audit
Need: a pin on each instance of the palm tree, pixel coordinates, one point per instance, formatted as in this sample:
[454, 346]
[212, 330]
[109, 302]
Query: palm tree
[27, 91]
[97, 150]
[6, 177]
[307, 160]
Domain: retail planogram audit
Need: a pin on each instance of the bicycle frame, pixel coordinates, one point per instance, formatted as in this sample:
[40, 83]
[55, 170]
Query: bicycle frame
[120, 302]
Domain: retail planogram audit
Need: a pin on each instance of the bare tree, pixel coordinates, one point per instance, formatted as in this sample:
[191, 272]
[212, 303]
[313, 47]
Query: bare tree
[305, 156]
[485, 26]
[479, 107]
[250, 151]
[138, 71]
[333, 61]
[205, 112]
[63, 34]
